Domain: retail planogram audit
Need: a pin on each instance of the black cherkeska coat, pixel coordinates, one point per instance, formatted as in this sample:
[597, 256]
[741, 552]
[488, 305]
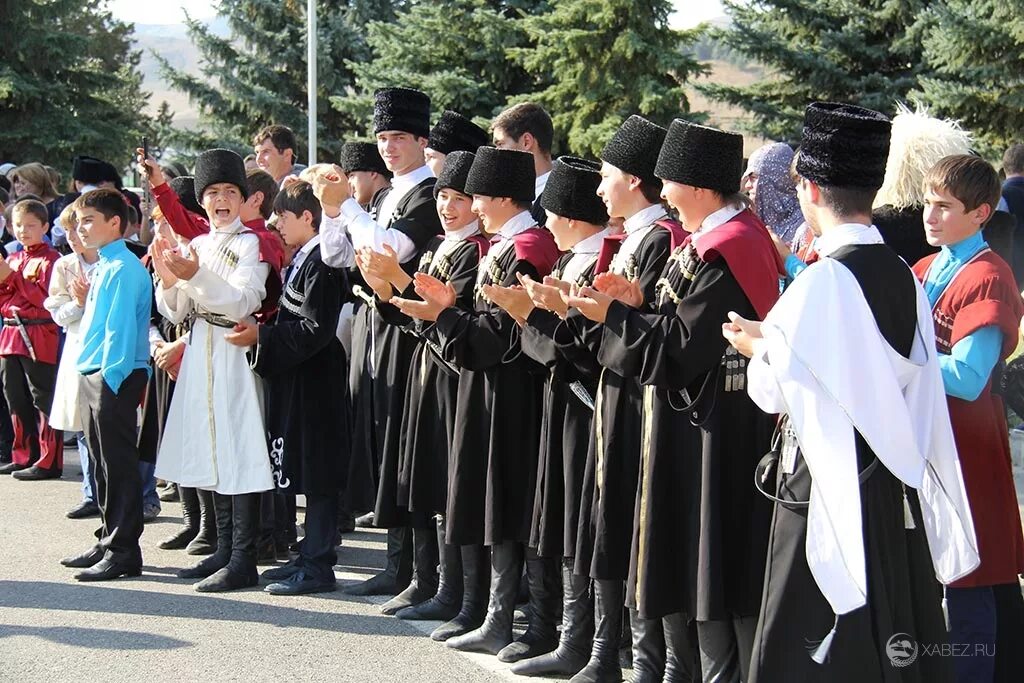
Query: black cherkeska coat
[605, 528]
[428, 416]
[304, 365]
[701, 529]
[498, 413]
[565, 427]
[381, 355]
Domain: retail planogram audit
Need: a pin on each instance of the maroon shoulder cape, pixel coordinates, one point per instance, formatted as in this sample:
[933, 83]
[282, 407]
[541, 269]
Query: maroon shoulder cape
[751, 255]
[537, 246]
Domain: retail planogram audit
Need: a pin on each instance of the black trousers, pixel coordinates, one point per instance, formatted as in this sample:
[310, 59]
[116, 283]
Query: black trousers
[6, 428]
[317, 550]
[109, 422]
[28, 388]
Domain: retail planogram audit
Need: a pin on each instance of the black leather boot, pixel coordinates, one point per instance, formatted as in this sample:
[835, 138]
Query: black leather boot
[446, 602]
[222, 514]
[205, 543]
[189, 519]
[496, 631]
[648, 649]
[682, 653]
[398, 572]
[476, 574]
[575, 642]
[545, 587]
[603, 666]
[240, 571]
[424, 575]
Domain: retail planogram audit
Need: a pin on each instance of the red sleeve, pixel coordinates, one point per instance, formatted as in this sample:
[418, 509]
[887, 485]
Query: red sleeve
[182, 221]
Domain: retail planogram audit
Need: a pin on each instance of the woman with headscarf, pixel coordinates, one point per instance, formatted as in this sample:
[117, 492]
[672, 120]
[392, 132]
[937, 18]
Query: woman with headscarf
[772, 192]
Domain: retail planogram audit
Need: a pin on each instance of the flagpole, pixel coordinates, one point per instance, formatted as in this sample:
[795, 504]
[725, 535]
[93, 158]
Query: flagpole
[311, 85]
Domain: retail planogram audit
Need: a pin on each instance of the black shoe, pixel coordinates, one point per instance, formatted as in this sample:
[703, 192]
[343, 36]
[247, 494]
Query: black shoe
[86, 508]
[105, 570]
[301, 583]
[36, 473]
[150, 512]
[180, 539]
[12, 467]
[282, 573]
[227, 579]
[70, 440]
[87, 559]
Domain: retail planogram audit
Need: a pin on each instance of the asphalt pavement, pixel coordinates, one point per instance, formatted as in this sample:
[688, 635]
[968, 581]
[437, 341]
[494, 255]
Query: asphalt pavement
[157, 628]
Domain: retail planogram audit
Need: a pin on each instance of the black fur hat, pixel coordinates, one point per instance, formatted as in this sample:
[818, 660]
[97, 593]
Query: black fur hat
[635, 146]
[454, 132]
[401, 109]
[571, 191]
[701, 156]
[91, 170]
[185, 187]
[219, 166]
[844, 145]
[362, 156]
[454, 172]
[503, 173]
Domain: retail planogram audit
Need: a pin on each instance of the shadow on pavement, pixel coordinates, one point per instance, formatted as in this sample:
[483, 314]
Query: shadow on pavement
[96, 638]
[49, 595]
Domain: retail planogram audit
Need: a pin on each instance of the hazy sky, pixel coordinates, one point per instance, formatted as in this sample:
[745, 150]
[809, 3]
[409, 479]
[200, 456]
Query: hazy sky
[170, 11]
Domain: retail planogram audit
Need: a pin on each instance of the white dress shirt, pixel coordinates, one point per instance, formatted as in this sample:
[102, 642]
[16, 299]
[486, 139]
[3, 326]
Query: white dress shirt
[300, 257]
[354, 229]
[584, 253]
[636, 227]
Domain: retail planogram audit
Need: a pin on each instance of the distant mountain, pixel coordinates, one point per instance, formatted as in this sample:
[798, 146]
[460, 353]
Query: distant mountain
[171, 42]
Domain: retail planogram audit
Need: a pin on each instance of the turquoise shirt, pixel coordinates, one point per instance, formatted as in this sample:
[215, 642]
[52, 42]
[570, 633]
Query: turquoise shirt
[794, 266]
[115, 326]
[966, 370]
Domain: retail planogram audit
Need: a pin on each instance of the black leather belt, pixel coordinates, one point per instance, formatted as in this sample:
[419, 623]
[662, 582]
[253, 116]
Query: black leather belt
[29, 321]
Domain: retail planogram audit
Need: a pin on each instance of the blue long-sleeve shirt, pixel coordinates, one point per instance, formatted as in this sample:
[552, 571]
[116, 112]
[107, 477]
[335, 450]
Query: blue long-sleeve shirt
[966, 370]
[115, 326]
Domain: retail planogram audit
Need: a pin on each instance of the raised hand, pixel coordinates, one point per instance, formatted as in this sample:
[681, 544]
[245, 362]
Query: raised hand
[182, 267]
[157, 250]
[513, 300]
[431, 289]
[591, 303]
[330, 186]
[548, 296]
[148, 167]
[380, 286]
[80, 290]
[383, 265]
[618, 287]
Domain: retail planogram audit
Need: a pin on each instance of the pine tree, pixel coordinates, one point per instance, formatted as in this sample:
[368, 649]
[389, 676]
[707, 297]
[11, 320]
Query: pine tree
[160, 130]
[602, 60]
[69, 83]
[975, 53]
[257, 74]
[456, 51]
[865, 52]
